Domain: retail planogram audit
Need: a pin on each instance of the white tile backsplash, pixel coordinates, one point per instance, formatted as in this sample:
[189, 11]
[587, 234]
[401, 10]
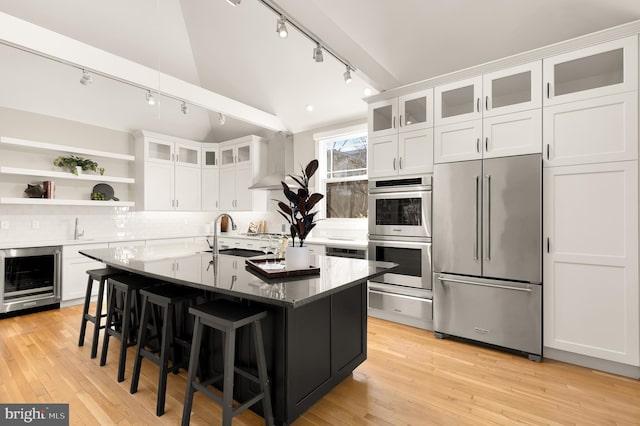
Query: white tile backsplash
[57, 222]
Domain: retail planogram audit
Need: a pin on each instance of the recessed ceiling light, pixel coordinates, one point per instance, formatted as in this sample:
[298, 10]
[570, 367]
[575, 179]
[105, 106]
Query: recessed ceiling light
[367, 91]
[233, 3]
[309, 107]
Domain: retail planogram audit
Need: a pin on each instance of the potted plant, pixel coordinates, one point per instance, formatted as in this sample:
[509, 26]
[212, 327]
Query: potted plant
[75, 163]
[299, 215]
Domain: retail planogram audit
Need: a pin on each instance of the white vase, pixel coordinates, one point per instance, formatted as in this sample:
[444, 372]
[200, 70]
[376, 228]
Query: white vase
[297, 258]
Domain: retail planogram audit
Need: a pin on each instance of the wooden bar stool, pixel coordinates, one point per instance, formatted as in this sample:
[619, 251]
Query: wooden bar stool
[227, 317]
[167, 298]
[101, 276]
[122, 322]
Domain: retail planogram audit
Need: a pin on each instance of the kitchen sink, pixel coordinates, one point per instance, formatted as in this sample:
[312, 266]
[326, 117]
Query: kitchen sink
[239, 252]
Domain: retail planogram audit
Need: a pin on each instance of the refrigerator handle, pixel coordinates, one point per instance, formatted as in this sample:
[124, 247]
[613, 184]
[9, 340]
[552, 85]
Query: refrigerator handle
[476, 217]
[487, 238]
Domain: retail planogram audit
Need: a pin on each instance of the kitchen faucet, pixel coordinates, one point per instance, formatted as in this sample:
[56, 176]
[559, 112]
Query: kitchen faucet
[214, 246]
[76, 230]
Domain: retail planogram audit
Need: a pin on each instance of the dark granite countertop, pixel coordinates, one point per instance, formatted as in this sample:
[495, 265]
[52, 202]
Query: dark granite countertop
[187, 266]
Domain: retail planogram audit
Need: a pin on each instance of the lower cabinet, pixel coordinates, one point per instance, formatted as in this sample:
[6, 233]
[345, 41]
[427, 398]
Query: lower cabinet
[74, 270]
[591, 289]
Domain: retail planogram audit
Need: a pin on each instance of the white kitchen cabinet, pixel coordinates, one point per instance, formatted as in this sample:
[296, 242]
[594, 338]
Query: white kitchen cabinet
[407, 153]
[74, 271]
[403, 114]
[242, 161]
[168, 172]
[210, 198]
[600, 70]
[459, 101]
[517, 133]
[592, 130]
[591, 297]
[458, 142]
[183, 268]
[512, 90]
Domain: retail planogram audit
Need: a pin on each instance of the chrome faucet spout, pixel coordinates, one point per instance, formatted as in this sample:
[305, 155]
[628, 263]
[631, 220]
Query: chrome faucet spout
[215, 232]
[76, 230]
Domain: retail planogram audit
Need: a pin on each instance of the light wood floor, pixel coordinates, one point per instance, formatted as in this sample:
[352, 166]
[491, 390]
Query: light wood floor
[409, 378]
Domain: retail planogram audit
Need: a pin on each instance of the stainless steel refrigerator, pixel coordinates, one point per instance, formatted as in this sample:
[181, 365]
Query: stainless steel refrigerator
[487, 222]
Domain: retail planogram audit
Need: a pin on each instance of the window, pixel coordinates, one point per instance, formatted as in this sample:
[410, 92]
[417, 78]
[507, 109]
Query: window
[343, 174]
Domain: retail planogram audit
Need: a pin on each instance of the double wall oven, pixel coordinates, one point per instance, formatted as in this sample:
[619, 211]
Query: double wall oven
[400, 232]
[29, 278]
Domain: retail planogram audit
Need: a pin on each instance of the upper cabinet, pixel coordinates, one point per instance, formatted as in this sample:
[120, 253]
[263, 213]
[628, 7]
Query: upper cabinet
[600, 70]
[210, 177]
[512, 90]
[459, 101]
[494, 115]
[168, 172]
[502, 92]
[402, 114]
[242, 161]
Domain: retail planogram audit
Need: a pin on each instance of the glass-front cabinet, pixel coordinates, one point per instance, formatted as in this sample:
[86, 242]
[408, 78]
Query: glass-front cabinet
[599, 70]
[235, 154]
[187, 155]
[159, 150]
[210, 155]
[513, 89]
[459, 101]
[402, 114]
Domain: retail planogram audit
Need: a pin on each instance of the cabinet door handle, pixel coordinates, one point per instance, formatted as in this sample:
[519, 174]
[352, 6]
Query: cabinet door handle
[548, 245]
[486, 144]
[486, 103]
[394, 122]
[394, 164]
[478, 104]
[400, 120]
[401, 163]
[548, 90]
[547, 151]
[478, 145]
[177, 203]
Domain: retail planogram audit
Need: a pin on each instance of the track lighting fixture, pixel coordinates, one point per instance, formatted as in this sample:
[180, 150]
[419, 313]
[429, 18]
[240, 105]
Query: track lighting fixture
[281, 27]
[150, 99]
[347, 75]
[86, 79]
[184, 108]
[317, 53]
[234, 3]
[221, 119]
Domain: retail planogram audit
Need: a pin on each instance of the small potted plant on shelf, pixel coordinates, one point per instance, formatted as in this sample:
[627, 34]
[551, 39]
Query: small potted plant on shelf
[75, 164]
[299, 215]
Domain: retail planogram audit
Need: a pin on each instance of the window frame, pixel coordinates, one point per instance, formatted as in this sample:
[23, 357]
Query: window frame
[321, 139]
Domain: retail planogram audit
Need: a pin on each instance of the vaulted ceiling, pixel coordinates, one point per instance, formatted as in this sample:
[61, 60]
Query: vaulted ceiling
[236, 52]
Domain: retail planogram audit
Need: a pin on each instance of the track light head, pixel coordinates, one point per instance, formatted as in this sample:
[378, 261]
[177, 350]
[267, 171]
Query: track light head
[221, 119]
[281, 27]
[184, 108]
[347, 75]
[234, 3]
[317, 53]
[150, 99]
[86, 79]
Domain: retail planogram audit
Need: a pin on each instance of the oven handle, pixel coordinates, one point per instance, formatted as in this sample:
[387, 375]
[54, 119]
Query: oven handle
[403, 296]
[505, 287]
[476, 219]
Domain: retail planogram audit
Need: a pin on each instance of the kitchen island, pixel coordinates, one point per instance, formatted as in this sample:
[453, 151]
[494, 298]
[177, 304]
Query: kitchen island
[315, 333]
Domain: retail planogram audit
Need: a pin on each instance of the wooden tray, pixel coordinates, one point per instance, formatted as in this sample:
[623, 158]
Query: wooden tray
[255, 265]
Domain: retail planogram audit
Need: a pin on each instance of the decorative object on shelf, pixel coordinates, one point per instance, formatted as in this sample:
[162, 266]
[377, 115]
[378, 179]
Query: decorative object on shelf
[49, 189]
[103, 191]
[298, 213]
[34, 191]
[270, 270]
[75, 164]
